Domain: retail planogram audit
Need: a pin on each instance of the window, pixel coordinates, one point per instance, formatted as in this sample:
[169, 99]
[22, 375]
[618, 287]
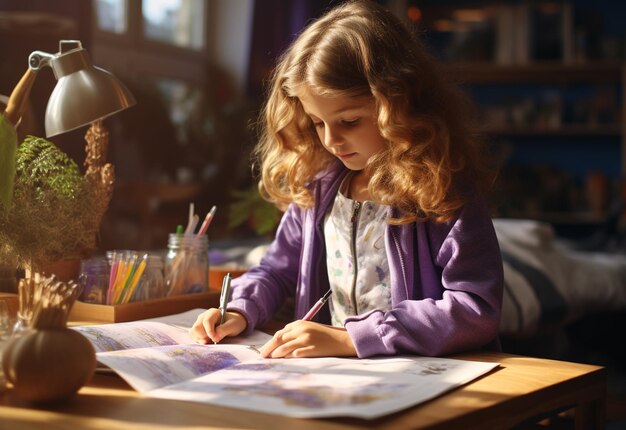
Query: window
[178, 22]
[111, 16]
[160, 50]
[154, 41]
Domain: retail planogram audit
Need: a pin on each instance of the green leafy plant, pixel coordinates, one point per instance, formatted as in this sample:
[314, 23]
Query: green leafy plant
[53, 215]
[250, 209]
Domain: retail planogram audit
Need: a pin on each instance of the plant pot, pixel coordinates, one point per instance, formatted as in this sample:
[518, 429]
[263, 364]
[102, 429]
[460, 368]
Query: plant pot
[65, 270]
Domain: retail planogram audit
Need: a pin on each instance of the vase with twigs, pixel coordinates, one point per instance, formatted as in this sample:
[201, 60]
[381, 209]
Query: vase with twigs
[45, 361]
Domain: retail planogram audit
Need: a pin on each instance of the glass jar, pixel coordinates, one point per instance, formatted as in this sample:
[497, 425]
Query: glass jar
[186, 264]
[152, 283]
[94, 280]
[25, 305]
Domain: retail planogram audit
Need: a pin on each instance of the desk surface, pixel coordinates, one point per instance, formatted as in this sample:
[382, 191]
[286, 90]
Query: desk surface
[519, 389]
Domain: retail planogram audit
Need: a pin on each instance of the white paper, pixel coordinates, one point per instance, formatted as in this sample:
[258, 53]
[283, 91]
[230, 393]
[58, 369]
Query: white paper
[158, 358]
[326, 387]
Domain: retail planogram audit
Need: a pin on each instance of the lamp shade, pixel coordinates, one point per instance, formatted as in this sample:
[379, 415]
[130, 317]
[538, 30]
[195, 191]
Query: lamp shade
[83, 93]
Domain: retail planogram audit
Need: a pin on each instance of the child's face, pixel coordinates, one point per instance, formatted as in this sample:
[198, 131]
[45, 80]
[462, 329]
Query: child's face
[346, 126]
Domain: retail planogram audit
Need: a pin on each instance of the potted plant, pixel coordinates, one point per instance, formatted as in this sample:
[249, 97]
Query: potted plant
[251, 209]
[55, 212]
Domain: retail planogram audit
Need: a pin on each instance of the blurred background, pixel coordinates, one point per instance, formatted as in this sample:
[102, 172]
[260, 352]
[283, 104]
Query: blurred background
[547, 77]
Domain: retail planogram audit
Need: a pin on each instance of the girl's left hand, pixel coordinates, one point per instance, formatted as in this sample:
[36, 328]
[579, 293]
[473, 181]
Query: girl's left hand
[309, 339]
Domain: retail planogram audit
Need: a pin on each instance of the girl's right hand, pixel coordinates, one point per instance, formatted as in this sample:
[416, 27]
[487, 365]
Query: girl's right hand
[208, 328]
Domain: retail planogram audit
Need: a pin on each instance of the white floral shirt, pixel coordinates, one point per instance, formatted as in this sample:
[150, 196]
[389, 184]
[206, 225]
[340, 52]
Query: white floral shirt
[357, 261]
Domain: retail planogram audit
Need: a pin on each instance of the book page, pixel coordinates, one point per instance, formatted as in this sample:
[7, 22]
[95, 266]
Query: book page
[157, 352]
[325, 387]
[136, 334]
[168, 330]
[148, 368]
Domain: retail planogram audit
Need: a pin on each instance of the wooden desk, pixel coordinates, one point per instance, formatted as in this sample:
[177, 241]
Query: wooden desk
[521, 390]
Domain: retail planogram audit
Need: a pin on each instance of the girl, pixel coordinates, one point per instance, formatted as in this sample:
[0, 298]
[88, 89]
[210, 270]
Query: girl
[373, 156]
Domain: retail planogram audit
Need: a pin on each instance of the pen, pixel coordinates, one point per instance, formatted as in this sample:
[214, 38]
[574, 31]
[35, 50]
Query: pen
[207, 221]
[224, 296]
[317, 306]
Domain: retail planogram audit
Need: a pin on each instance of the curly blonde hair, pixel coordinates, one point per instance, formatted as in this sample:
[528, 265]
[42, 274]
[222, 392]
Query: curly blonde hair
[360, 49]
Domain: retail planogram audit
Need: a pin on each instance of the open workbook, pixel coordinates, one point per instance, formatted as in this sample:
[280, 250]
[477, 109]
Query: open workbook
[159, 359]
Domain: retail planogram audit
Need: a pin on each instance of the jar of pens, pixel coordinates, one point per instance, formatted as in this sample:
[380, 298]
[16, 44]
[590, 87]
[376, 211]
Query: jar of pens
[122, 277]
[131, 276]
[187, 260]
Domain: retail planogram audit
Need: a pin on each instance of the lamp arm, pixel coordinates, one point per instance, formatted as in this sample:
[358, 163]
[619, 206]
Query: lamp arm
[17, 101]
[39, 59]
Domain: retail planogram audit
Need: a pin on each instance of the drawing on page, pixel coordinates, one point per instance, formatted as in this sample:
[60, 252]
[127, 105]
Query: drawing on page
[301, 387]
[105, 342]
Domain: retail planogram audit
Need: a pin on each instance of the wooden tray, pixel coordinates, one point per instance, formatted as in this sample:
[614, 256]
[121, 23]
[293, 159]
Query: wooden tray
[100, 314]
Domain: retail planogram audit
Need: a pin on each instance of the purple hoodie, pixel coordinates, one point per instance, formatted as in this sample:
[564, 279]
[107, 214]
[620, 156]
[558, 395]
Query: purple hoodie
[446, 280]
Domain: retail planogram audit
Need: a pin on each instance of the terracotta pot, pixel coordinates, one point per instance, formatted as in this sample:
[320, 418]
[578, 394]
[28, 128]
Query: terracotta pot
[65, 270]
[217, 273]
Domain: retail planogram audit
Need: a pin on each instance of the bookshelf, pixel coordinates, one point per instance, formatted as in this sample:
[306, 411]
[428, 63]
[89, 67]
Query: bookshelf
[600, 129]
[549, 88]
[611, 74]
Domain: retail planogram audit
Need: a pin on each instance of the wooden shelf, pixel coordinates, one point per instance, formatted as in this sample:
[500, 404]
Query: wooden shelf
[610, 130]
[580, 218]
[549, 72]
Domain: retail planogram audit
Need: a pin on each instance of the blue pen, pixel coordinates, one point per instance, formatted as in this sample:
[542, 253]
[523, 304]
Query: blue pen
[224, 296]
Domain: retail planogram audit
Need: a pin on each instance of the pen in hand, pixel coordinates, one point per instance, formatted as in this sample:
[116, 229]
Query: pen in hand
[224, 296]
[317, 306]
